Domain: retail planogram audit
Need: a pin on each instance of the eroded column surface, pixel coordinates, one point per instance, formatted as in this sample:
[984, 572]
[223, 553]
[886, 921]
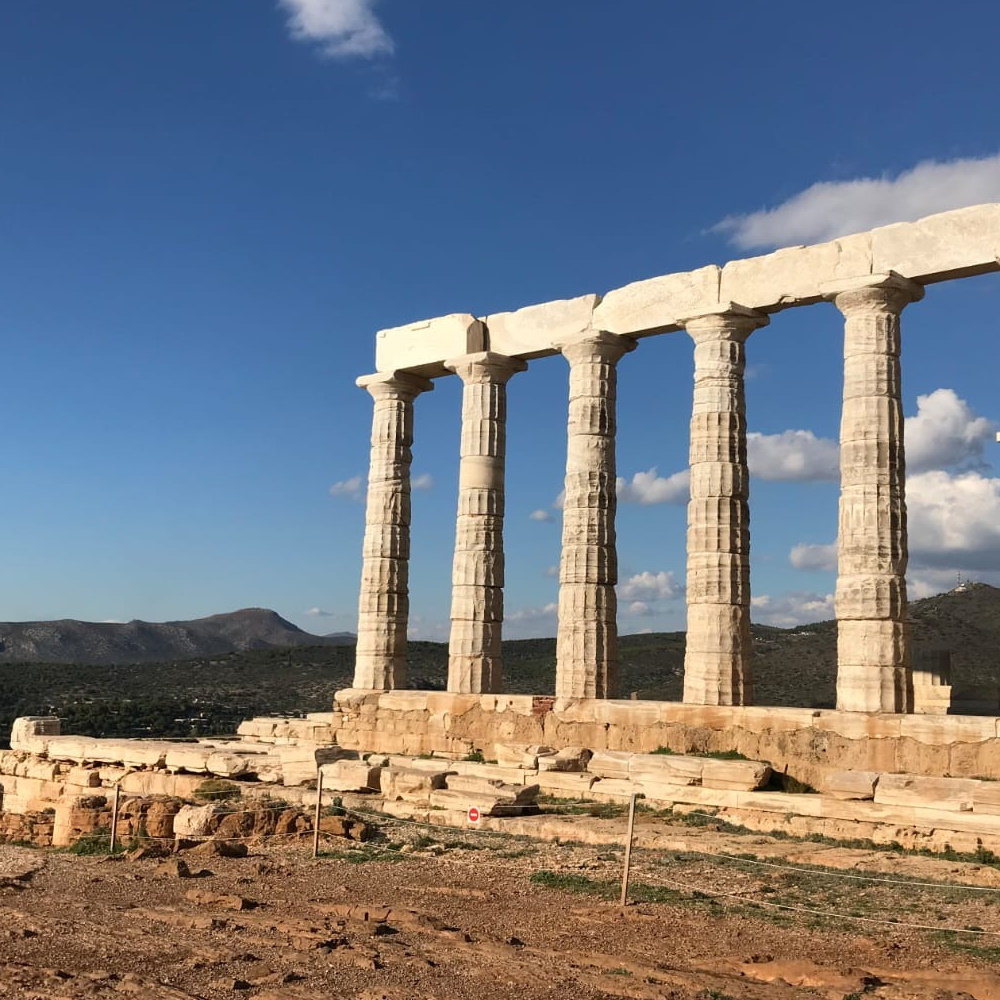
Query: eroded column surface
[873, 654]
[474, 660]
[717, 658]
[384, 606]
[587, 640]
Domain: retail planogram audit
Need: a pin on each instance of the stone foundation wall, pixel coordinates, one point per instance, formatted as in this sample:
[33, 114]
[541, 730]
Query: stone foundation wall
[807, 744]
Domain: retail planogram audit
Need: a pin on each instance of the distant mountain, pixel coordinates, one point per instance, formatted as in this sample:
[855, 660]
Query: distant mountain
[70, 641]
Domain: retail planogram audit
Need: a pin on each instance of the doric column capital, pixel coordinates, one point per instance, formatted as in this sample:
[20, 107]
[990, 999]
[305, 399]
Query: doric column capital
[401, 385]
[485, 368]
[873, 293]
[733, 322]
[597, 345]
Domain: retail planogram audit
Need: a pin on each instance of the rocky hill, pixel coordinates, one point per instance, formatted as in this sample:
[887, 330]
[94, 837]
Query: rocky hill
[70, 641]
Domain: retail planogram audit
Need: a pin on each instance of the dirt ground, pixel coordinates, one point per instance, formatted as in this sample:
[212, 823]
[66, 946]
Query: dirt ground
[433, 914]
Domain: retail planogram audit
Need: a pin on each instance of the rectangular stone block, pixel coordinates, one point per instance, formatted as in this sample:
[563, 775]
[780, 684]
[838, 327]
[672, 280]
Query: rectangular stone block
[409, 783]
[566, 784]
[657, 305]
[422, 347]
[947, 794]
[986, 798]
[735, 775]
[858, 785]
[610, 763]
[533, 331]
[613, 790]
[948, 245]
[352, 776]
[674, 769]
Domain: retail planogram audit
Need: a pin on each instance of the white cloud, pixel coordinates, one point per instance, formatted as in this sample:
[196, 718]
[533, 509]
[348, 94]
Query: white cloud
[944, 432]
[320, 613]
[793, 456]
[422, 482]
[831, 209]
[551, 570]
[954, 521]
[353, 488]
[541, 515]
[647, 586]
[639, 608]
[814, 556]
[344, 28]
[796, 608]
[532, 622]
[649, 488]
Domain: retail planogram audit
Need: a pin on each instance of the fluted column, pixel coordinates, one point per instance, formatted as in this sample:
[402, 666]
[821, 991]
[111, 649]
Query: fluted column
[475, 665]
[873, 649]
[384, 606]
[587, 641]
[717, 657]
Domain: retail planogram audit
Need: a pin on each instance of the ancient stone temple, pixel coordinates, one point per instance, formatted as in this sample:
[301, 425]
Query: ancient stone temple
[870, 278]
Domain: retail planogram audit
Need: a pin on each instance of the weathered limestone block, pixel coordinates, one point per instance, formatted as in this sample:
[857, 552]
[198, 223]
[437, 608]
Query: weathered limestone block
[659, 304]
[29, 732]
[422, 347]
[521, 754]
[610, 763]
[509, 775]
[470, 785]
[196, 821]
[494, 803]
[566, 784]
[432, 765]
[567, 759]
[298, 762]
[409, 783]
[531, 332]
[953, 244]
[946, 794]
[674, 769]
[735, 775]
[188, 757]
[986, 798]
[258, 728]
[661, 793]
[161, 783]
[851, 784]
[614, 790]
[352, 776]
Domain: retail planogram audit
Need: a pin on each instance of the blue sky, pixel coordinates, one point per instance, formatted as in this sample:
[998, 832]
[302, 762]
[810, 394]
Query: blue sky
[208, 209]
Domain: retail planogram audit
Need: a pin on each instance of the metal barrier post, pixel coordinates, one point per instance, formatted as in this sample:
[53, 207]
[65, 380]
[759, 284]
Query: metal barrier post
[319, 806]
[628, 847]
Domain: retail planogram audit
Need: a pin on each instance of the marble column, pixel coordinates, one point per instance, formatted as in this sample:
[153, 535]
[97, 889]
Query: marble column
[384, 606]
[475, 664]
[587, 640]
[873, 654]
[717, 658]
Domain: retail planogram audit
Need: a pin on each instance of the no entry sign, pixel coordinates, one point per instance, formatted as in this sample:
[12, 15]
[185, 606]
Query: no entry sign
[473, 814]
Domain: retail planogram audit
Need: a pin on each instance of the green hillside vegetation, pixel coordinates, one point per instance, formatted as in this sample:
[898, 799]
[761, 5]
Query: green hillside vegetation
[210, 695]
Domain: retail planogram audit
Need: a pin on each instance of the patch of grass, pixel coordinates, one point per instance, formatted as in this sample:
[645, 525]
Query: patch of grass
[97, 842]
[723, 755]
[476, 757]
[579, 884]
[666, 751]
[363, 855]
[217, 790]
[969, 946]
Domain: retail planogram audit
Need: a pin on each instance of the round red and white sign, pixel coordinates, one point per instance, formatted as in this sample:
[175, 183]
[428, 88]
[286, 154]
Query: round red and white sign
[473, 814]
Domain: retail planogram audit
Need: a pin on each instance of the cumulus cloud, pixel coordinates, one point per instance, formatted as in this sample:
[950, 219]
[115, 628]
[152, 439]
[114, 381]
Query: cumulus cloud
[639, 608]
[787, 610]
[541, 515]
[649, 487]
[647, 586]
[422, 482]
[352, 488]
[954, 520]
[532, 622]
[827, 210]
[814, 556]
[343, 28]
[793, 456]
[944, 432]
[320, 613]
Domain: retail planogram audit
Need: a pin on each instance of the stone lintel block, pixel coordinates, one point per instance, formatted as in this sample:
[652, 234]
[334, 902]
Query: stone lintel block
[793, 276]
[351, 776]
[659, 305]
[533, 331]
[403, 701]
[855, 785]
[953, 244]
[674, 769]
[610, 763]
[566, 784]
[494, 772]
[511, 794]
[423, 347]
[614, 789]
[411, 783]
[947, 794]
[735, 775]
[947, 730]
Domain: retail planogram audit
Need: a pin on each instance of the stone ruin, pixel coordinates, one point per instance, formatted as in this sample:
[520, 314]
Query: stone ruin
[886, 765]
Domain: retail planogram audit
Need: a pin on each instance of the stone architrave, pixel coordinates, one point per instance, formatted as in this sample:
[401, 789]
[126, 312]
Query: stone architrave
[475, 664]
[383, 607]
[587, 639]
[873, 654]
[718, 648]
